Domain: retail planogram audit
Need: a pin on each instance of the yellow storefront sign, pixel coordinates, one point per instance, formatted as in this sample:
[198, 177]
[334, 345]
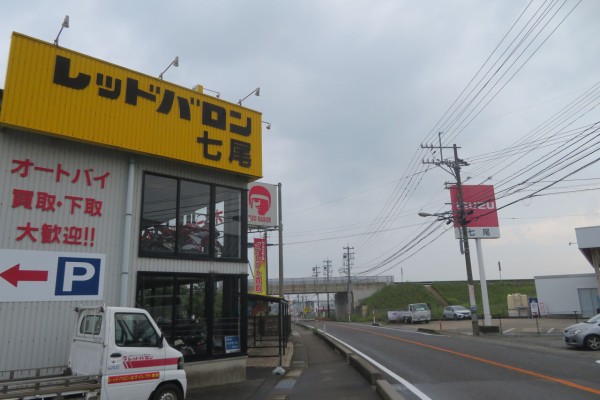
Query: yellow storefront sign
[55, 91]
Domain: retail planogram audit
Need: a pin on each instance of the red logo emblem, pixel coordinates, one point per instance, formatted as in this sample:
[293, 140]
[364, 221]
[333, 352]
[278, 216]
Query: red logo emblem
[260, 197]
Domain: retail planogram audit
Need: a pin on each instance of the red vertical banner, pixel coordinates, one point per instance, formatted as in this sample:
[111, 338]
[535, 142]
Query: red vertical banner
[260, 266]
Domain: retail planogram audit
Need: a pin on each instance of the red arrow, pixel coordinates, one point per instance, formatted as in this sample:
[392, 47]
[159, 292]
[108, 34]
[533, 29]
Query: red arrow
[13, 275]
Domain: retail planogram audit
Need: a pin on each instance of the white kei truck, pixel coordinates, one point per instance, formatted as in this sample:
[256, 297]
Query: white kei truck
[117, 353]
[417, 312]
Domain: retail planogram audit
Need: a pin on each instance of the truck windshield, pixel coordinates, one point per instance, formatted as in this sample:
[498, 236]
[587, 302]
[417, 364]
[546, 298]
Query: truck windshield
[421, 307]
[135, 330]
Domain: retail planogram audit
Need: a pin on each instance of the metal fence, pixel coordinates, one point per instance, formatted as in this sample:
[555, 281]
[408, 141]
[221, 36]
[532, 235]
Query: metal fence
[269, 327]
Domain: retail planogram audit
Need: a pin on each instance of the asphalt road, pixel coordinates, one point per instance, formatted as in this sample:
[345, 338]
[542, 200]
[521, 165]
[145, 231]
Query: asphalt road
[520, 364]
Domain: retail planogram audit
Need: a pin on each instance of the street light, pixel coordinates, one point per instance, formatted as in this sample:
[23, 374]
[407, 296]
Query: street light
[449, 216]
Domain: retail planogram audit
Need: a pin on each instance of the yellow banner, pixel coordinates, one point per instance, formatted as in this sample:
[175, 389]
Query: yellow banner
[55, 91]
[260, 266]
[133, 377]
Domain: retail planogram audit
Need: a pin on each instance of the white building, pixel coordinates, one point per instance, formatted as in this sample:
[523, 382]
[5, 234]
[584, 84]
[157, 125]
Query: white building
[564, 295]
[575, 293]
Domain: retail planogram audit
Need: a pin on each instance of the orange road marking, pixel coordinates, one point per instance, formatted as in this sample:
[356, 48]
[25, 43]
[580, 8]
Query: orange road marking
[483, 360]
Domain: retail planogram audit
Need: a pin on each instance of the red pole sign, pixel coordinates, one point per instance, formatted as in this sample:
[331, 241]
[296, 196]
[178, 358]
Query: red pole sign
[480, 209]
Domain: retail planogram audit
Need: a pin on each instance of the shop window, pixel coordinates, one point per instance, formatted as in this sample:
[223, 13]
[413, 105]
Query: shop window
[187, 219]
[159, 213]
[198, 314]
[228, 222]
[194, 218]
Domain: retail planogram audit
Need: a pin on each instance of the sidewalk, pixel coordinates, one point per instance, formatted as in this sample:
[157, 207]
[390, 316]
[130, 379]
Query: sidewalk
[313, 371]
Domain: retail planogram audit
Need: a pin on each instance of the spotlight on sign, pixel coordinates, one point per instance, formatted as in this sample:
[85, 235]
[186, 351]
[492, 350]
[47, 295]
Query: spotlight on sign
[255, 92]
[218, 95]
[174, 63]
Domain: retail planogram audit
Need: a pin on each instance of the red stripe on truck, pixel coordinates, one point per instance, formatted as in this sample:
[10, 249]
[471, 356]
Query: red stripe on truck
[153, 362]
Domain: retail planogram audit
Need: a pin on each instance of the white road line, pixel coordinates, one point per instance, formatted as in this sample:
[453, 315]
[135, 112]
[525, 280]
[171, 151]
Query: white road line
[508, 330]
[401, 380]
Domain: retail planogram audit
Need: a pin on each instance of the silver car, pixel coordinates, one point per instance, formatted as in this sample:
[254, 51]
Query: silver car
[456, 312]
[585, 334]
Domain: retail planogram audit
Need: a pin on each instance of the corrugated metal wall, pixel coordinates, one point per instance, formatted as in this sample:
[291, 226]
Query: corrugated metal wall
[34, 334]
[37, 334]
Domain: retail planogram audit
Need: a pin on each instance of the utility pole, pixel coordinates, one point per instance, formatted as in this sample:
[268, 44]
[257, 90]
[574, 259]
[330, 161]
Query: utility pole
[500, 271]
[316, 276]
[327, 272]
[454, 167]
[348, 257]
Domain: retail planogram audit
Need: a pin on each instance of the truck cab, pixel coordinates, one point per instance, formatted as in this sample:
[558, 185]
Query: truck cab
[420, 312]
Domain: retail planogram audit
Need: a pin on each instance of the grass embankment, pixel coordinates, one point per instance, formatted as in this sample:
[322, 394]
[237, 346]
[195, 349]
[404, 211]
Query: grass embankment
[399, 295]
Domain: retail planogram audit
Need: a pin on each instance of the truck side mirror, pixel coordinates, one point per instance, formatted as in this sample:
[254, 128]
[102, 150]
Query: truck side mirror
[161, 340]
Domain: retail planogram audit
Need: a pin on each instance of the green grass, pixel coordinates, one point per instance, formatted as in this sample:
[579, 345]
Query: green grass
[399, 295]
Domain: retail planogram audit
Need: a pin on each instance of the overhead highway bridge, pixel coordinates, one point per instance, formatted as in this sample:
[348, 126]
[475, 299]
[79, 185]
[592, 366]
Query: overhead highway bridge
[359, 287]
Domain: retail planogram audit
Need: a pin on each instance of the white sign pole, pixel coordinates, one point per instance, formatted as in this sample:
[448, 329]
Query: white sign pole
[487, 318]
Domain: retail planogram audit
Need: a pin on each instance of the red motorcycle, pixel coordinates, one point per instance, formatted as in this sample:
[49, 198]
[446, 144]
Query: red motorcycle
[196, 239]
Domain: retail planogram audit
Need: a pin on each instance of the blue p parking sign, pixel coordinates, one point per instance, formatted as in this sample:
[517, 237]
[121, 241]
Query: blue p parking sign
[77, 276]
[27, 275]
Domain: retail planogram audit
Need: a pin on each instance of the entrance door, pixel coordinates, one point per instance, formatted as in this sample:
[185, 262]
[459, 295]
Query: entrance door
[588, 300]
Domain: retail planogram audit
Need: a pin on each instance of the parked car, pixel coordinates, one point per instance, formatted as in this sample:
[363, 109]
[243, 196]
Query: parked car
[456, 312]
[585, 334]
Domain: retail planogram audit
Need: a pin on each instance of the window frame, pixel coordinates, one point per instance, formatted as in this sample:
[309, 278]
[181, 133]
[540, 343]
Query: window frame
[177, 252]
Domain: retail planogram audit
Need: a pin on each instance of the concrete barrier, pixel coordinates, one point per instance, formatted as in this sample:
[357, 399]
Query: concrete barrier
[366, 369]
[384, 389]
[338, 347]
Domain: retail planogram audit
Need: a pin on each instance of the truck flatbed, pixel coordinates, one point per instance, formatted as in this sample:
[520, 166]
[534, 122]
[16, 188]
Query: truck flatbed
[23, 384]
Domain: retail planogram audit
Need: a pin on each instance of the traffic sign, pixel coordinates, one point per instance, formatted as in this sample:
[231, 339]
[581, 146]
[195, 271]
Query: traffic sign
[50, 276]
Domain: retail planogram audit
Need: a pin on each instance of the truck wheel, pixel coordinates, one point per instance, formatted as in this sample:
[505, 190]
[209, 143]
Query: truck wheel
[167, 392]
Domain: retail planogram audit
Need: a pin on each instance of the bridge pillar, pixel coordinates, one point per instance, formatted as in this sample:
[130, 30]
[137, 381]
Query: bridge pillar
[341, 306]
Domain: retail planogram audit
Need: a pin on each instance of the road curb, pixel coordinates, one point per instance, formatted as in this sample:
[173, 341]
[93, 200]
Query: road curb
[428, 330]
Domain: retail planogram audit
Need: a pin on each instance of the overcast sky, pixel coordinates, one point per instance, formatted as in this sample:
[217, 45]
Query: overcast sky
[353, 88]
